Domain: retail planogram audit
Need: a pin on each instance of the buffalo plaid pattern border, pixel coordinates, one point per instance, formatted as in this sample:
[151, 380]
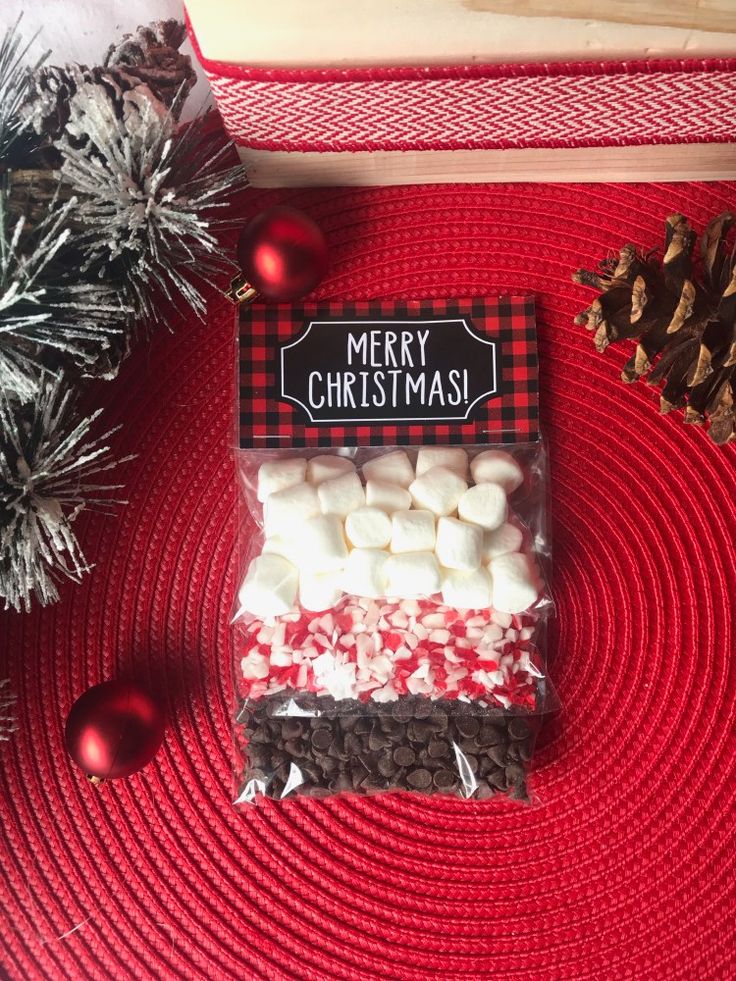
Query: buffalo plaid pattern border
[510, 416]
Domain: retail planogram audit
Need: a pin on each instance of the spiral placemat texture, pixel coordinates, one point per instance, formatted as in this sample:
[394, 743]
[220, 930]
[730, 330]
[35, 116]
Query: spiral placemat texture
[623, 868]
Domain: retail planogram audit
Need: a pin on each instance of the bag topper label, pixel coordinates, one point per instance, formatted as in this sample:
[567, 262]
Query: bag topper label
[388, 371]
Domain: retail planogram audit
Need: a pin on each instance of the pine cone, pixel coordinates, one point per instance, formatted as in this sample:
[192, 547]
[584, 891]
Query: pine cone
[684, 324]
[151, 56]
[148, 58]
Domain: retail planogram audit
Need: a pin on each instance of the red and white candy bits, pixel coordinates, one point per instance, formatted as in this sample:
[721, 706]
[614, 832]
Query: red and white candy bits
[380, 650]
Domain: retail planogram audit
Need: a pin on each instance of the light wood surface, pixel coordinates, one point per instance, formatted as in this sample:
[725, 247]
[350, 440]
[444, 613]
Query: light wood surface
[704, 15]
[705, 162]
[329, 33]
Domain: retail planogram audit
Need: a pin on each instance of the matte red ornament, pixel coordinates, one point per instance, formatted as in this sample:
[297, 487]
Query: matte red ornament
[114, 729]
[283, 255]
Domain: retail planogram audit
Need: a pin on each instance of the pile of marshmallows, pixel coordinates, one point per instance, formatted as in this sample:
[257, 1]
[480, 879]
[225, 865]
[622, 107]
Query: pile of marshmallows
[406, 533]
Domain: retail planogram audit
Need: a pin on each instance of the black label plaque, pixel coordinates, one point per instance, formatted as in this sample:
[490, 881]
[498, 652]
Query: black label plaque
[358, 371]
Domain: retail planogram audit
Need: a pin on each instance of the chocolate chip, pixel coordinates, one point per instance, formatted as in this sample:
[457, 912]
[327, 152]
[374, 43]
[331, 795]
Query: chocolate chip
[419, 779]
[497, 779]
[514, 774]
[404, 756]
[390, 727]
[488, 736]
[353, 744]
[438, 748]
[321, 738]
[398, 780]
[438, 720]
[467, 725]
[401, 710]
[518, 729]
[423, 708]
[498, 754]
[385, 765]
[292, 729]
[378, 740]
[337, 748]
[419, 731]
[444, 779]
[295, 747]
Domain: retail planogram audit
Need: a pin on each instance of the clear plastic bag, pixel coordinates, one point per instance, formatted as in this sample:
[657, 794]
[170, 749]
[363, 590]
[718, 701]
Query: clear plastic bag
[380, 691]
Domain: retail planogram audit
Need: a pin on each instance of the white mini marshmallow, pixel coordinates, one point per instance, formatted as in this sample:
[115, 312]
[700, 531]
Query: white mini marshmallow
[387, 497]
[269, 588]
[501, 541]
[285, 547]
[365, 573]
[453, 457]
[497, 467]
[321, 544]
[412, 574]
[391, 468]
[484, 505]
[285, 510]
[368, 528]
[320, 591]
[459, 545]
[412, 531]
[466, 590]
[516, 582]
[438, 490]
[341, 495]
[328, 466]
[276, 475]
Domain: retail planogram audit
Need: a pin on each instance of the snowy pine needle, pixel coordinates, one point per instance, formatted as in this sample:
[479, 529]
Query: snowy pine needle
[145, 195]
[44, 305]
[47, 468]
[7, 714]
[15, 79]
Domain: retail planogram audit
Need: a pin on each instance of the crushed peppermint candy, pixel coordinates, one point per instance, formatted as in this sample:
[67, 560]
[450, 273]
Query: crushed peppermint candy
[376, 650]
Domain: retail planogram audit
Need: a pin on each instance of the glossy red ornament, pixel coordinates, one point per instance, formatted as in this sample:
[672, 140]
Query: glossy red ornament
[114, 729]
[282, 253]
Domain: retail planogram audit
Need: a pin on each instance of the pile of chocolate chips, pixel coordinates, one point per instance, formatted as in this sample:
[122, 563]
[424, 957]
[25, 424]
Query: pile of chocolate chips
[315, 746]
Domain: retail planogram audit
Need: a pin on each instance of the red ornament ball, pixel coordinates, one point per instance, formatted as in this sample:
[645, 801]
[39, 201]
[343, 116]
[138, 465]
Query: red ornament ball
[282, 253]
[114, 729]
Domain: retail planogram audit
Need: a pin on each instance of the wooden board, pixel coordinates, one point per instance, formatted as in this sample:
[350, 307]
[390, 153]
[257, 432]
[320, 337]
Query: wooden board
[331, 33]
[703, 15]
[707, 162]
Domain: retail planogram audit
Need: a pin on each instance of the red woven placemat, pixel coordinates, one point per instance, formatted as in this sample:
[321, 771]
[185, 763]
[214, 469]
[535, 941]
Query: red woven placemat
[624, 869]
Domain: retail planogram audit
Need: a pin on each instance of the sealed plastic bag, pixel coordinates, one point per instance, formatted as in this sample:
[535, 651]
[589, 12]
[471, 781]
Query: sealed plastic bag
[390, 618]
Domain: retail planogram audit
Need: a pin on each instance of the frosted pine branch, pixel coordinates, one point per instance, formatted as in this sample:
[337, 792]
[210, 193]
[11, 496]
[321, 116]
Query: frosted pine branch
[47, 306]
[49, 469]
[15, 79]
[146, 195]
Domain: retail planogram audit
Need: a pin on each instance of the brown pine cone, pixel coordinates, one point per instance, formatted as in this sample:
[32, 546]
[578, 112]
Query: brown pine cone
[684, 324]
[149, 57]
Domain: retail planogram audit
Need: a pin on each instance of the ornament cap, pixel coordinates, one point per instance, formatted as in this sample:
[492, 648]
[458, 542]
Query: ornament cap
[241, 291]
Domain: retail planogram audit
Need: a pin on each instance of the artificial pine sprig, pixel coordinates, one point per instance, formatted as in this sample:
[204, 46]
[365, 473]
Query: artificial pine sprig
[48, 474]
[48, 312]
[146, 197]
